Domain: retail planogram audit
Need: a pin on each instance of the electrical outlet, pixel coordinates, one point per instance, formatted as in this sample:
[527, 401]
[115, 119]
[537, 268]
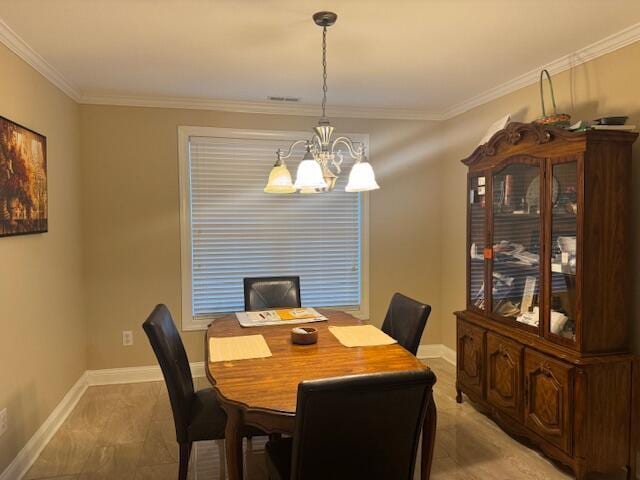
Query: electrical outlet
[127, 338]
[3, 422]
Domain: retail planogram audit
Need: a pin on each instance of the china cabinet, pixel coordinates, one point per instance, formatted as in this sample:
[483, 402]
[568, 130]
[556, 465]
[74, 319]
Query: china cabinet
[543, 344]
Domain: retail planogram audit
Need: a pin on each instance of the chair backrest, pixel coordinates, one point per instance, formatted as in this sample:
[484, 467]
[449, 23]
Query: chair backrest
[169, 349]
[261, 293]
[405, 321]
[362, 426]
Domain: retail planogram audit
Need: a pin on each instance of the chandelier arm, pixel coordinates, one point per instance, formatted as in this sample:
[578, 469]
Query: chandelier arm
[284, 156]
[331, 166]
[354, 151]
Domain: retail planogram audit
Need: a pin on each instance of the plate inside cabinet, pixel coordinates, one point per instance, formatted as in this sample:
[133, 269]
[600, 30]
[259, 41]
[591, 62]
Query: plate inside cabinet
[533, 192]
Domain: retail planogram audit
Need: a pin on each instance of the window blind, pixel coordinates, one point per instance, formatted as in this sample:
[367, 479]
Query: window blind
[239, 231]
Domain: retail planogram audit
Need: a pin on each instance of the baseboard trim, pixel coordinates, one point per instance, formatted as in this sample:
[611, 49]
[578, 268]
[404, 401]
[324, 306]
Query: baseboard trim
[30, 452]
[437, 350]
[151, 373]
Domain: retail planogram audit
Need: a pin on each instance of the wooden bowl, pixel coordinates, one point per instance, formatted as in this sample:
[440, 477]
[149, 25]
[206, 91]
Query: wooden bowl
[304, 335]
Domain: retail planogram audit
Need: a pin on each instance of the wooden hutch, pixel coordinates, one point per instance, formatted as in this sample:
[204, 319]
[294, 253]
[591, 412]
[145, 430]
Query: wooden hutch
[543, 346]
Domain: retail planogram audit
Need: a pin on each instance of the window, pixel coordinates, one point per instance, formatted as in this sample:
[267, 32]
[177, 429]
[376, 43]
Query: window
[231, 229]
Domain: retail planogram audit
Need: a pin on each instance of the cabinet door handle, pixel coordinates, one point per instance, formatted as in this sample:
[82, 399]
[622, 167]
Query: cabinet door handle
[526, 392]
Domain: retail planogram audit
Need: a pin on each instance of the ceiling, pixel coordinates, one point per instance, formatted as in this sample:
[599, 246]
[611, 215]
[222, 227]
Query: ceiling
[417, 55]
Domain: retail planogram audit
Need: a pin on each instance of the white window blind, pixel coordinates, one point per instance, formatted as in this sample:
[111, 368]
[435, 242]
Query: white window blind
[239, 231]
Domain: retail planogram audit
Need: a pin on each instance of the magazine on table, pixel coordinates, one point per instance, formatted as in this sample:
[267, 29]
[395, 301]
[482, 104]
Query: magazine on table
[280, 316]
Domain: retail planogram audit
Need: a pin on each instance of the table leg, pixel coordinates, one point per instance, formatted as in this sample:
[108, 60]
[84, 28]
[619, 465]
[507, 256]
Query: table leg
[233, 440]
[428, 440]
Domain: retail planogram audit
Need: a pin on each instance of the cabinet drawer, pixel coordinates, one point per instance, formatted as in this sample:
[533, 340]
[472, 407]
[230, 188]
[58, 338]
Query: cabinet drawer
[548, 398]
[504, 374]
[471, 357]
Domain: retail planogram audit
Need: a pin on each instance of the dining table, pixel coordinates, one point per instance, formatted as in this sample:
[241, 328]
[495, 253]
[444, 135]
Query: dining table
[262, 392]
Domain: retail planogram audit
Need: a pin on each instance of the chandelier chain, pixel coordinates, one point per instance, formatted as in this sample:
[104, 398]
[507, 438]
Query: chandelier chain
[324, 72]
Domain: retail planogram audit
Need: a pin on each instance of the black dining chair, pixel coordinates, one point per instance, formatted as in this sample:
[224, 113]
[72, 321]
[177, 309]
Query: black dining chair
[362, 426]
[197, 415]
[405, 321]
[261, 293]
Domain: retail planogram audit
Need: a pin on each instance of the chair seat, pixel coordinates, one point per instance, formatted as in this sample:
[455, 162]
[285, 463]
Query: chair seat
[279, 458]
[208, 419]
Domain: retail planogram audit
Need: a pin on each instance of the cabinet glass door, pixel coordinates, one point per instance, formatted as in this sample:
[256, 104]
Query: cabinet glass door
[516, 239]
[564, 250]
[477, 214]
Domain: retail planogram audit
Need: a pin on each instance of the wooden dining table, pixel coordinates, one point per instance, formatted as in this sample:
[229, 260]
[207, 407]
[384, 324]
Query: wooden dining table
[262, 392]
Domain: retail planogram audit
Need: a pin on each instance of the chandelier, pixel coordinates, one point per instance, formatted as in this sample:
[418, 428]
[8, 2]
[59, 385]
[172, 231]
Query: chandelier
[322, 162]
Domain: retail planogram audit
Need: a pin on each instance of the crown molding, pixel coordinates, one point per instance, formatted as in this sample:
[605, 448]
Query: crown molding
[269, 108]
[18, 46]
[597, 49]
[606, 45]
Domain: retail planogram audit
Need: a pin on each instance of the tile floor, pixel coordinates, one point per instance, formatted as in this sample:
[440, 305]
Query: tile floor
[122, 432]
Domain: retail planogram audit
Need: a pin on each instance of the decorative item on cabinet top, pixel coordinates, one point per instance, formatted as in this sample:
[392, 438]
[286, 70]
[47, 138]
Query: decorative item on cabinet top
[555, 119]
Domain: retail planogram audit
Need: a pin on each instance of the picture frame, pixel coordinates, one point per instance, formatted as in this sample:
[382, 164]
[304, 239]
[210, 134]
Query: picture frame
[24, 202]
[528, 293]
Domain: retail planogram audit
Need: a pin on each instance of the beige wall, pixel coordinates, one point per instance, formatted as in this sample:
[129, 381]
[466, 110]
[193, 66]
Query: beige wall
[131, 218]
[605, 86]
[43, 334]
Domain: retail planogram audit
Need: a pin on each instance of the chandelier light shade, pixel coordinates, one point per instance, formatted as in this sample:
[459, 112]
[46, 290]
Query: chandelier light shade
[279, 180]
[322, 163]
[309, 175]
[361, 178]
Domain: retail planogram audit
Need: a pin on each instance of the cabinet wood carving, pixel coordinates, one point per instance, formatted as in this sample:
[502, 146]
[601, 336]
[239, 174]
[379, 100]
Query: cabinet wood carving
[470, 357]
[543, 343]
[504, 374]
[547, 399]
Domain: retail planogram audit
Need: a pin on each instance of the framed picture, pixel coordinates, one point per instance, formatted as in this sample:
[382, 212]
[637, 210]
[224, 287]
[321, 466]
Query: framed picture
[23, 180]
